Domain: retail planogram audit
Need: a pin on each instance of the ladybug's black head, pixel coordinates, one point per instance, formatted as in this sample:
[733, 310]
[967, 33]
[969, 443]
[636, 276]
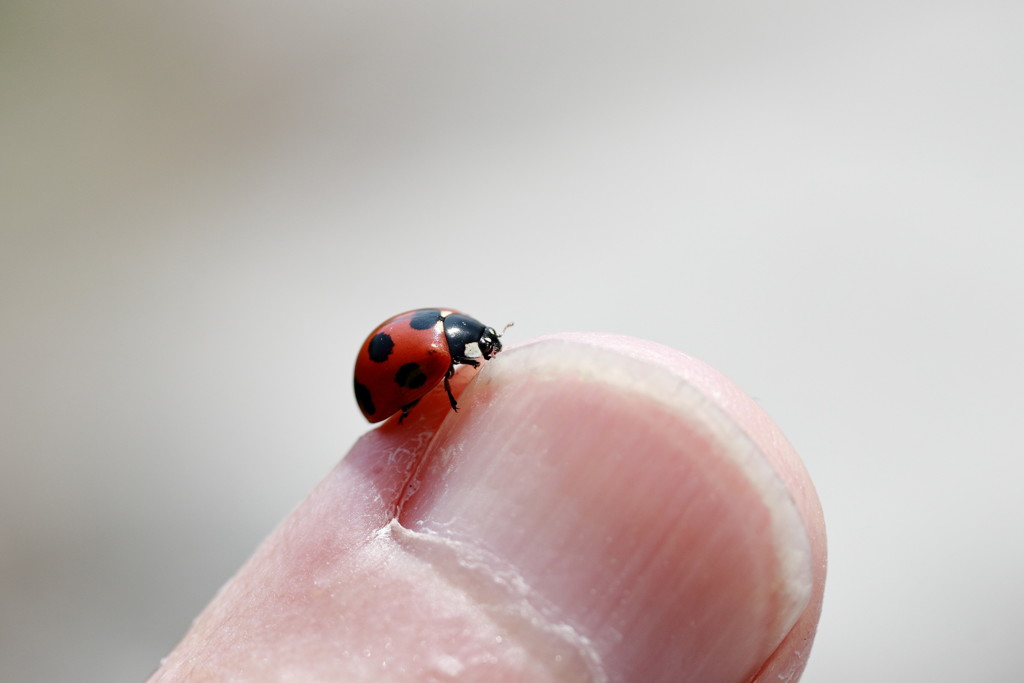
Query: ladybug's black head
[490, 343]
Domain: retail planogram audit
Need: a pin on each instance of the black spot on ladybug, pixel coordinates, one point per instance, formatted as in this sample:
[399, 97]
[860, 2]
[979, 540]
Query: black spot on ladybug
[380, 347]
[364, 399]
[410, 376]
[425, 319]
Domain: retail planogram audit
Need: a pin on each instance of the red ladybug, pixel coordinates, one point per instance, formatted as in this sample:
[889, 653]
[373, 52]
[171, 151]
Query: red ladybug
[407, 355]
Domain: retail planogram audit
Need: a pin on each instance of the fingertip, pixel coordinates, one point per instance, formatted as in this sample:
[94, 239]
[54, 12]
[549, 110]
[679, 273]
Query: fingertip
[598, 509]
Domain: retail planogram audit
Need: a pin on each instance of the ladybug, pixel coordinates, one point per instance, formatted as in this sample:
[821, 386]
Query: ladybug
[407, 355]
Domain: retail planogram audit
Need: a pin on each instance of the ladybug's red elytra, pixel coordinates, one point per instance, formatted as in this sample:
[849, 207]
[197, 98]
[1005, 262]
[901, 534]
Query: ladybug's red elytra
[407, 355]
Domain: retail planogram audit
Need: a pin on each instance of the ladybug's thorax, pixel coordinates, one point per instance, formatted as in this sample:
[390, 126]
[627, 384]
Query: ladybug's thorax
[469, 339]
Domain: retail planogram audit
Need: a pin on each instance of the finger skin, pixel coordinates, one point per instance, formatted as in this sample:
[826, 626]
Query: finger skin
[340, 590]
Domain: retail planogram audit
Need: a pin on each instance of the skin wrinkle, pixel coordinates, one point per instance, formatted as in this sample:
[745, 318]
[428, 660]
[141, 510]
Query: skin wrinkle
[507, 600]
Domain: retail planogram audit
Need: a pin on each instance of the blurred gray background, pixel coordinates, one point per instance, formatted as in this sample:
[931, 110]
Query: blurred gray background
[204, 208]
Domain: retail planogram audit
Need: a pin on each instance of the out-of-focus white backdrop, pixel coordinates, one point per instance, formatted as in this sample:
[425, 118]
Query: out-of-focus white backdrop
[204, 207]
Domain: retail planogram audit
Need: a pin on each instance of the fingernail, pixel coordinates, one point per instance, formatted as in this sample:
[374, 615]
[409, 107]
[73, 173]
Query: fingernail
[615, 522]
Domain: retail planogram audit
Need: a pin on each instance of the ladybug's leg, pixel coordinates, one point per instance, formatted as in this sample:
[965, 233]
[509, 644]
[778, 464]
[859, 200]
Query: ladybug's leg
[448, 387]
[406, 409]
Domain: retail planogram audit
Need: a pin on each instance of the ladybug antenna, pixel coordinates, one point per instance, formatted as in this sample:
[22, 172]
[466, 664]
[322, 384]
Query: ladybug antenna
[505, 328]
